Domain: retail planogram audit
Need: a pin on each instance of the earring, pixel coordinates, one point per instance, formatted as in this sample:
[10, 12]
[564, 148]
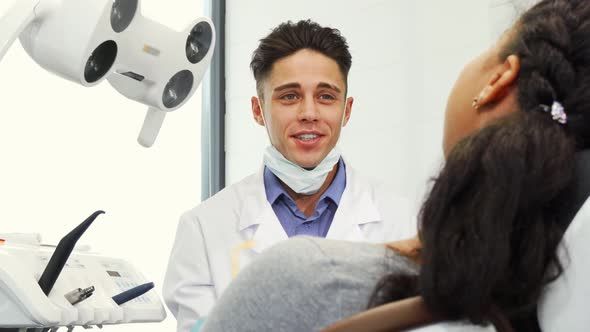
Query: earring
[475, 103]
[482, 96]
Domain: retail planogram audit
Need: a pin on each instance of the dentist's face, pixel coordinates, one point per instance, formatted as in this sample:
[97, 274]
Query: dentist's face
[304, 106]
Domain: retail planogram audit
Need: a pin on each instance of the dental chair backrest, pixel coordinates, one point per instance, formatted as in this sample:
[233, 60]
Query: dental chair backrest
[564, 305]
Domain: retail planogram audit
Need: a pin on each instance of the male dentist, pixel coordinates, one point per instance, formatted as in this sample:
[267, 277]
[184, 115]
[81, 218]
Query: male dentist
[304, 186]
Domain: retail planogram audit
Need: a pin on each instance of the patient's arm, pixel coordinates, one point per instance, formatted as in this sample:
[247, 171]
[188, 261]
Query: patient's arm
[395, 316]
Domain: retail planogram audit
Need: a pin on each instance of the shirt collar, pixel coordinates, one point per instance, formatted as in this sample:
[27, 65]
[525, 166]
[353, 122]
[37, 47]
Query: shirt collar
[336, 188]
[274, 188]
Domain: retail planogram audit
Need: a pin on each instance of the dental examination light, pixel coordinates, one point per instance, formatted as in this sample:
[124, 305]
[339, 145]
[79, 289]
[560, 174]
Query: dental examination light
[87, 41]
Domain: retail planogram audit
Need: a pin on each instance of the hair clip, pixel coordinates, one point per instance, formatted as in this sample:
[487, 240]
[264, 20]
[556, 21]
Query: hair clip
[557, 112]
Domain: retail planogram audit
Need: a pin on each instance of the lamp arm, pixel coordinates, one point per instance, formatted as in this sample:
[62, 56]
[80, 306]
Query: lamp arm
[14, 21]
[151, 126]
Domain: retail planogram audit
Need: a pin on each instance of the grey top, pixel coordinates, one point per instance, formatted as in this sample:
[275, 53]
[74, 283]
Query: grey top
[304, 284]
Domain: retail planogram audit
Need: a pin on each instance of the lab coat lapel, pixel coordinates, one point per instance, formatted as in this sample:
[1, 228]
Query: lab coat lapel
[269, 231]
[258, 221]
[356, 209]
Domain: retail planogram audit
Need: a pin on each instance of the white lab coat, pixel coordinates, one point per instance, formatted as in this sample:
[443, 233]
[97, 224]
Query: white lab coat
[212, 238]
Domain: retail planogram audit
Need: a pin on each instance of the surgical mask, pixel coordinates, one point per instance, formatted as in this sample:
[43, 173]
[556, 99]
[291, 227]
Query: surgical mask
[299, 179]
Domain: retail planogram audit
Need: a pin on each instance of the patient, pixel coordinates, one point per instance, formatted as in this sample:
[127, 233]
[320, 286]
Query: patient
[490, 227]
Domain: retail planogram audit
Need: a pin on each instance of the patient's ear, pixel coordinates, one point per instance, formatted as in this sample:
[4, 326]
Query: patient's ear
[501, 82]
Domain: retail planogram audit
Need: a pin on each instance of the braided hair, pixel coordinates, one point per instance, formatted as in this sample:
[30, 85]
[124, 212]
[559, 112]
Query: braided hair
[492, 223]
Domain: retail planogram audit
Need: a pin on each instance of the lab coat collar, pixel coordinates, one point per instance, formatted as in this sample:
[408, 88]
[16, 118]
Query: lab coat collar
[357, 207]
[257, 212]
[256, 209]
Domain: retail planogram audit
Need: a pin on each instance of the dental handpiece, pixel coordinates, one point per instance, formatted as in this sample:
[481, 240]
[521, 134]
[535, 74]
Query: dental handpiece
[132, 293]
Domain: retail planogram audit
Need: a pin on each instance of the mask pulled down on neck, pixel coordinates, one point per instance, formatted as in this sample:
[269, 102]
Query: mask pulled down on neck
[299, 179]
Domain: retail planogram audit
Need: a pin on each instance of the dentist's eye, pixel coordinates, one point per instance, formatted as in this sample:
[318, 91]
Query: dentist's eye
[289, 96]
[327, 97]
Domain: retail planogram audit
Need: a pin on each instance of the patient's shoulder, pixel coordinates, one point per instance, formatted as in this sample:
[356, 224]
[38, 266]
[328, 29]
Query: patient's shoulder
[314, 255]
[326, 280]
[307, 247]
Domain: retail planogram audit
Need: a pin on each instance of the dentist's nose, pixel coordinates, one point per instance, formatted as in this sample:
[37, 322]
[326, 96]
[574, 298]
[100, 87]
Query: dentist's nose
[309, 110]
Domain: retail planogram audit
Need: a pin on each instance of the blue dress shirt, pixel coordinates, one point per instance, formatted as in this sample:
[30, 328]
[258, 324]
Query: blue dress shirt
[294, 222]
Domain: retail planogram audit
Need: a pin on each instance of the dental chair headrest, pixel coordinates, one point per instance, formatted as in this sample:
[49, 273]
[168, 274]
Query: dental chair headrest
[565, 302]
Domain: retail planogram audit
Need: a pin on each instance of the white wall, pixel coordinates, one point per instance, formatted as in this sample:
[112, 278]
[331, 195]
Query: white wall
[406, 57]
[66, 151]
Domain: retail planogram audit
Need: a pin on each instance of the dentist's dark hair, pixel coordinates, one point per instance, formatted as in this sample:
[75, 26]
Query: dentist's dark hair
[288, 38]
[492, 223]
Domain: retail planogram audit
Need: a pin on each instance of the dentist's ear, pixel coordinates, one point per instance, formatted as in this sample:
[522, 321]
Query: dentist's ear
[257, 111]
[347, 110]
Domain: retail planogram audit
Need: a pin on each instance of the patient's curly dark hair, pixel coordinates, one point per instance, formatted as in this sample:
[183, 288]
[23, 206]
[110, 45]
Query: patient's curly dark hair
[492, 223]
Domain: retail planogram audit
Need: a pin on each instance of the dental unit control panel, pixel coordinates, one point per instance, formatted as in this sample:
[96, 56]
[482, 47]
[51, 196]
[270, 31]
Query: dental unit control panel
[86, 292]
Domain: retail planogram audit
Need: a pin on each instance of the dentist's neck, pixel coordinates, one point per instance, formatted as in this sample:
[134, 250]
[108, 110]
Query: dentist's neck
[308, 203]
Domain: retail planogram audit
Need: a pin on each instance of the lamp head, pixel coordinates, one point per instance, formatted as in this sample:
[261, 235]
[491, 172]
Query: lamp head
[87, 41]
[76, 39]
[162, 68]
